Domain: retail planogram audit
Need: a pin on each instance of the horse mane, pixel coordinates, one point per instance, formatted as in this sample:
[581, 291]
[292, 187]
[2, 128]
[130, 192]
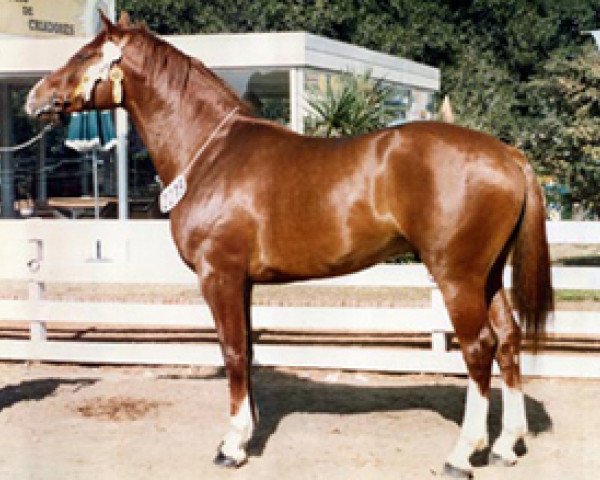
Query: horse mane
[163, 64]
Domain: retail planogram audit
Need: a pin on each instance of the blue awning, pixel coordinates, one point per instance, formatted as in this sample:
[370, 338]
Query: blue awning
[91, 130]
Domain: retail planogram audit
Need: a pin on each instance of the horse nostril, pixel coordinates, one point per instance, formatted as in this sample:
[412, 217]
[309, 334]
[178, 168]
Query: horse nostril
[57, 101]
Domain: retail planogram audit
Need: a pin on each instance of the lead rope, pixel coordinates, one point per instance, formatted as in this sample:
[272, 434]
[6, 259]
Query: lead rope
[31, 141]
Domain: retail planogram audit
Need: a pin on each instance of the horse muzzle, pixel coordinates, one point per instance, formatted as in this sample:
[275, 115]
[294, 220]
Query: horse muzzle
[43, 102]
[51, 110]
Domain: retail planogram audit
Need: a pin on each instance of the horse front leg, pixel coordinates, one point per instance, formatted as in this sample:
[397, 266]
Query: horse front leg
[228, 296]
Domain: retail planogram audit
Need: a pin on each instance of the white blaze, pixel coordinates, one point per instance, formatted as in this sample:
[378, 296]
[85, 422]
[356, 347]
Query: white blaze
[99, 71]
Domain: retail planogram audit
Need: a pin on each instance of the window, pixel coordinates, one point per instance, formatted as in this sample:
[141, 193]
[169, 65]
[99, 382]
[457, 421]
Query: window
[46, 168]
[404, 103]
[266, 90]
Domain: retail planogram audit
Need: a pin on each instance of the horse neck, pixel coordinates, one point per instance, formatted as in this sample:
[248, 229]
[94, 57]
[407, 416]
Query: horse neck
[175, 118]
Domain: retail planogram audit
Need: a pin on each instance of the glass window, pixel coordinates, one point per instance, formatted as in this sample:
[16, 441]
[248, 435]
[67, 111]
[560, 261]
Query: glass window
[410, 104]
[267, 90]
[318, 81]
[399, 103]
[422, 105]
[404, 103]
[47, 169]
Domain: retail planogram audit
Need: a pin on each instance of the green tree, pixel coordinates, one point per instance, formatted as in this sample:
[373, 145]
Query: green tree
[483, 94]
[565, 139]
[424, 31]
[166, 16]
[333, 18]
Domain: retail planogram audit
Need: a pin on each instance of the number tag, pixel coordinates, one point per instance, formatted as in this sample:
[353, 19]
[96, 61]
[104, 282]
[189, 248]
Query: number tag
[172, 194]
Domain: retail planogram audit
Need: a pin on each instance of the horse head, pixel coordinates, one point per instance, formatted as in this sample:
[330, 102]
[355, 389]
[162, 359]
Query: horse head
[91, 79]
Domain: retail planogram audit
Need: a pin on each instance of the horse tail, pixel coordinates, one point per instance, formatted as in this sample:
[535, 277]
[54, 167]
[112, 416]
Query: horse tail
[532, 293]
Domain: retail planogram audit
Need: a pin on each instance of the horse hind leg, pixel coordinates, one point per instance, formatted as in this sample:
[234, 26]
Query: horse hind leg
[514, 421]
[228, 296]
[465, 301]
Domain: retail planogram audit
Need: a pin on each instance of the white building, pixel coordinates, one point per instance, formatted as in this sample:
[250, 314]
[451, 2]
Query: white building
[274, 70]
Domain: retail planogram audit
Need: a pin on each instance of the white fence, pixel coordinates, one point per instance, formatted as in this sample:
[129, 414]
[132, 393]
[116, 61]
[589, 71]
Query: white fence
[142, 252]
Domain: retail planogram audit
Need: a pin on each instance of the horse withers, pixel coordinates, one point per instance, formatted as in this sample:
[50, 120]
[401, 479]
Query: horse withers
[252, 202]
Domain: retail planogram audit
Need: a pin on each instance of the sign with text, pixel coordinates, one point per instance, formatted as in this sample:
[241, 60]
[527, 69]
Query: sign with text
[49, 18]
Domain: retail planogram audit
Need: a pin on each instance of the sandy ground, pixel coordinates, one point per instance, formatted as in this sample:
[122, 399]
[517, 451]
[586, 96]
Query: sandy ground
[72, 422]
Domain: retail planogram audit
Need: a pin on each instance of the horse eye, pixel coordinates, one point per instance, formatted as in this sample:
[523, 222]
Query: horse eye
[82, 57]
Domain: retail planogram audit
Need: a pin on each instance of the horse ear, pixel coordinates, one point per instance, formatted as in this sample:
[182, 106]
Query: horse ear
[108, 25]
[114, 32]
[124, 20]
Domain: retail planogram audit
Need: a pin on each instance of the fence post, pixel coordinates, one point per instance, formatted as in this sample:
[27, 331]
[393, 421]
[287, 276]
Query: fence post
[37, 327]
[440, 338]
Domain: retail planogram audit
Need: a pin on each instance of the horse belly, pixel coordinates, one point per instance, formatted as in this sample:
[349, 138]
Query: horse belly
[325, 247]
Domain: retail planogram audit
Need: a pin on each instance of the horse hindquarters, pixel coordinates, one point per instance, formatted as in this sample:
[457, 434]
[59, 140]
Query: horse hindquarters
[473, 231]
[484, 323]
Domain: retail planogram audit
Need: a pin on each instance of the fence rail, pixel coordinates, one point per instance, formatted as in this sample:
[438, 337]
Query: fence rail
[142, 252]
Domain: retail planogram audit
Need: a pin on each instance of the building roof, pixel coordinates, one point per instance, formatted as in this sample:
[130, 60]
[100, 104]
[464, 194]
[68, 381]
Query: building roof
[29, 57]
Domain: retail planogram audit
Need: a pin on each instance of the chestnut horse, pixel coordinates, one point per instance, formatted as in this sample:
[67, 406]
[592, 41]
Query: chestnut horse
[253, 202]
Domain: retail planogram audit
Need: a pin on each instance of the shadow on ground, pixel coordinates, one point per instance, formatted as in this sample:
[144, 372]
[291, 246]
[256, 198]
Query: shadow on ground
[38, 389]
[304, 395]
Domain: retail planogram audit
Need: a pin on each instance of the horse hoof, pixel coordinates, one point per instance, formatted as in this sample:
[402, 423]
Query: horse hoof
[455, 472]
[499, 461]
[222, 460]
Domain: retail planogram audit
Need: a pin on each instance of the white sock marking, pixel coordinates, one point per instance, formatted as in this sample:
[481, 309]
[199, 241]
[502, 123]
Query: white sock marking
[514, 422]
[240, 430]
[473, 434]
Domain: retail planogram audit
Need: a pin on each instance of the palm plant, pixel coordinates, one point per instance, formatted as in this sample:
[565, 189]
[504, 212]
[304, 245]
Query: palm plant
[357, 104]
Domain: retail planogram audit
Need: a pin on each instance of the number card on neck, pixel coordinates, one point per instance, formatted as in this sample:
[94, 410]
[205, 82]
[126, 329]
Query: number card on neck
[172, 194]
